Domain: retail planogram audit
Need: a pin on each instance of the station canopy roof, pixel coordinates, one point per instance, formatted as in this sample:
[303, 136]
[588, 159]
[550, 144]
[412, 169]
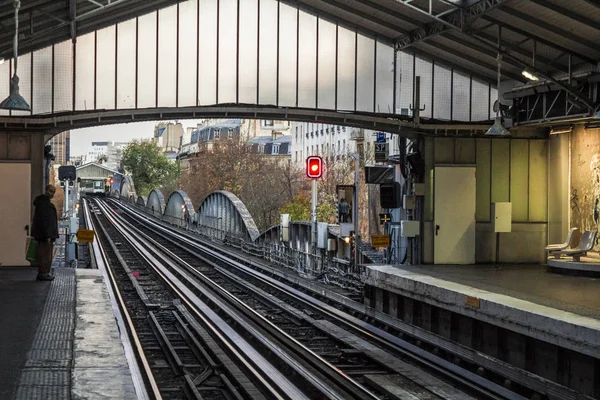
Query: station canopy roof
[544, 36]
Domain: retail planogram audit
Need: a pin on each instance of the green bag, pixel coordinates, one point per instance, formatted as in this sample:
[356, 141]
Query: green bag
[32, 251]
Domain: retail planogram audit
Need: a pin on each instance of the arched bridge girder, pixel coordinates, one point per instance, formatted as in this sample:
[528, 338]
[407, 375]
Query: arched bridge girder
[127, 189]
[156, 203]
[222, 213]
[280, 68]
[141, 202]
[179, 209]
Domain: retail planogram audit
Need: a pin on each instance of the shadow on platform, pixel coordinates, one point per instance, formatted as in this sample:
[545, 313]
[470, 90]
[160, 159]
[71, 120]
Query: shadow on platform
[22, 300]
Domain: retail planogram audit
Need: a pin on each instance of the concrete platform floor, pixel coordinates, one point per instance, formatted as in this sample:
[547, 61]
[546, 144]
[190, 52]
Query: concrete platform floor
[579, 295]
[22, 300]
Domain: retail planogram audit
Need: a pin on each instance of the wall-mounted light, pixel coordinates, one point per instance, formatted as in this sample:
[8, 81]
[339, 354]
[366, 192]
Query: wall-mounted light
[530, 75]
[559, 130]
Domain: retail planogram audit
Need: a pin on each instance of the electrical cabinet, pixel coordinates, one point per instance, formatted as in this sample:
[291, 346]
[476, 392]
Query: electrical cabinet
[346, 228]
[409, 228]
[331, 245]
[419, 189]
[502, 216]
[409, 202]
[285, 227]
[322, 234]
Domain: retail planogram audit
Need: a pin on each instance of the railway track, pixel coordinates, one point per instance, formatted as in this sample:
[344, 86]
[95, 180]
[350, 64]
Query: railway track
[487, 376]
[148, 283]
[382, 366]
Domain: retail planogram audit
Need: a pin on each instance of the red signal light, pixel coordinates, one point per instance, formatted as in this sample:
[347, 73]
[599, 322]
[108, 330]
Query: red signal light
[314, 167]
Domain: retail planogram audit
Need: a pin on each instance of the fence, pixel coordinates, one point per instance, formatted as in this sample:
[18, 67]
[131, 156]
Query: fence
[317, 266]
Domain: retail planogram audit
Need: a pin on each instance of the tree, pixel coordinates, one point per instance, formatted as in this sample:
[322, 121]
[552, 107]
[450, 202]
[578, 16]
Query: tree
[262, 183]
[149, 167]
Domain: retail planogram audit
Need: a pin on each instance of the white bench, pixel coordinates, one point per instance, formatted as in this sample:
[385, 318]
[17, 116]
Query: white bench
[570, 241]
[587, 242]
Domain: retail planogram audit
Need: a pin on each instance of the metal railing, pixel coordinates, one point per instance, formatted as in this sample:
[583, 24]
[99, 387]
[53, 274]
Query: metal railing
[317, 266]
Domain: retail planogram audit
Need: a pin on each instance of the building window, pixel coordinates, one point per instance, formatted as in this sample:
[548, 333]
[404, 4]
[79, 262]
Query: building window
[217, 133]
[269, 122]
[230, 133]
[296, 156]
[275, 149]
[261, 149]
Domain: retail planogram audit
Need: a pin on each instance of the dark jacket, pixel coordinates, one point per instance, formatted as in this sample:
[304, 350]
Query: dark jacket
[45, 220]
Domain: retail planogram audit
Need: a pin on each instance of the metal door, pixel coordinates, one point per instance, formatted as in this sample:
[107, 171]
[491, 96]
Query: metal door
[454, 215]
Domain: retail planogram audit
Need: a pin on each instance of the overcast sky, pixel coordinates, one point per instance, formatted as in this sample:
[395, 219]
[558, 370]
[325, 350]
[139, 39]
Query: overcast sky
[81, 139]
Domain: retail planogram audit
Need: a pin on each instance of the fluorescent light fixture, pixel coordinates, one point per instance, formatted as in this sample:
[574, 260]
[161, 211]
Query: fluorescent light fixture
[497, 129]
[530, 75]
[559, 130]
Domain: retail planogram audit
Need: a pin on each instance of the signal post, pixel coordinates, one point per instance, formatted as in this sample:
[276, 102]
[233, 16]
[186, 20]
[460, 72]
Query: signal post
[314, 170]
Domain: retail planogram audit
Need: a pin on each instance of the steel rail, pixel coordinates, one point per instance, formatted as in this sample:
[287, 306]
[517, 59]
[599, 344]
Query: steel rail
[246, 354]
[190, 389]
[445, 367]
[524, 378]
[312, 357]
[122, 316]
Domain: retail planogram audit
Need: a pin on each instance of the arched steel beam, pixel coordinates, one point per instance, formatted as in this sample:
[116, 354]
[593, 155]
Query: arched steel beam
[179, 208]
[141, 201]
[156, 203]
[211, 205]
[393, 123]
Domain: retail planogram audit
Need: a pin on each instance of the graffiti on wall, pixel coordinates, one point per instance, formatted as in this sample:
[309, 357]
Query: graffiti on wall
[585, 179]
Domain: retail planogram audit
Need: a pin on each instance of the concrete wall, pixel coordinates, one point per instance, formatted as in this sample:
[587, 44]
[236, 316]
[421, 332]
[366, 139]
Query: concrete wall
[584, 176]
[558, 188]
[512, 170]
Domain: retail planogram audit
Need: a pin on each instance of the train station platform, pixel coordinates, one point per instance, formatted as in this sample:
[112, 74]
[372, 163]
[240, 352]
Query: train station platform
[59, 339]
[524, 299]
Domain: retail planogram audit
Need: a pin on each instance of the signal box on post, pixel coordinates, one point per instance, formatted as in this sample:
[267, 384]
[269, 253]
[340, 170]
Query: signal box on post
[390, 195]
[314, 167]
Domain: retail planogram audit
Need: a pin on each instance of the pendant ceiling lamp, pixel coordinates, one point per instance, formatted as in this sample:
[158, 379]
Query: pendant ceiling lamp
[15, 101]
[498, 129]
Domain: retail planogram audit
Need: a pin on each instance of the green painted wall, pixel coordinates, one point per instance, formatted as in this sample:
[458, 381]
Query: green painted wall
[512, 170]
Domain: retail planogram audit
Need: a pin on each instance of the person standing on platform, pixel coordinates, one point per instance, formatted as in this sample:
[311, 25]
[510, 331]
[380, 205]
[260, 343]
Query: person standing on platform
[45, 231]
[343, 210]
